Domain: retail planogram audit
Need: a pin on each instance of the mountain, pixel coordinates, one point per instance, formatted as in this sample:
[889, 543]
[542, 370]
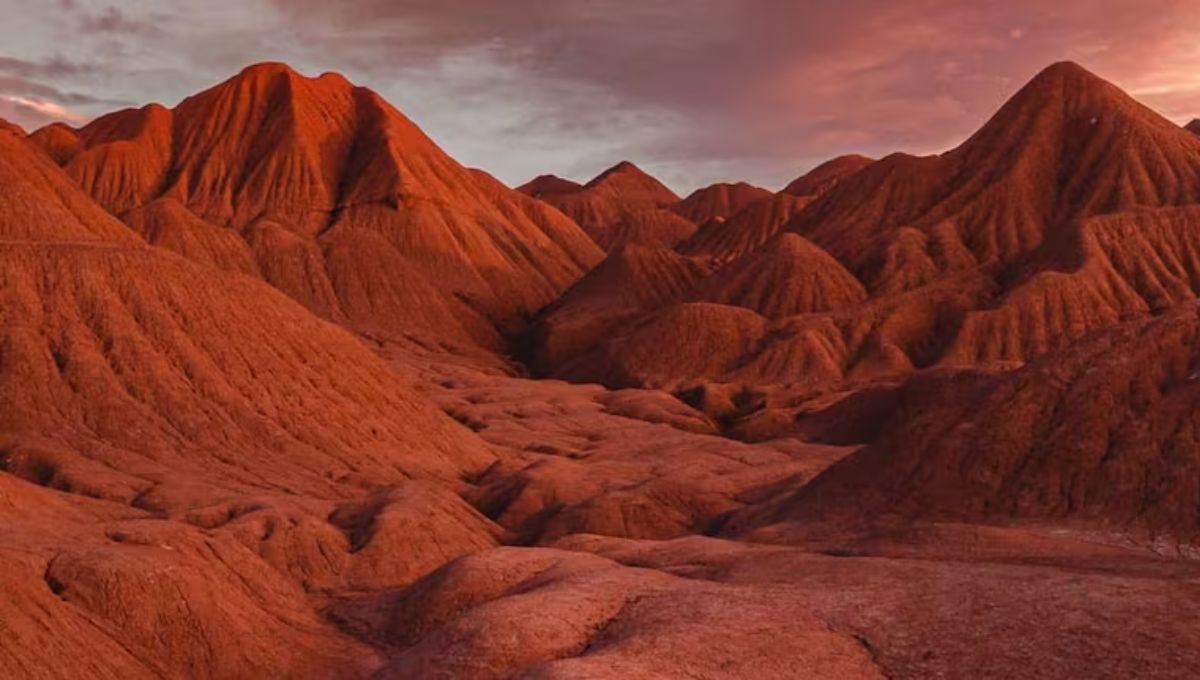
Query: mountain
[1194, 126]
[122, 353]
[344, 203]
[1070, 211]
[719, 201]
[58, 140]
[631, 281]
[1067, 146]
[788, 276]
[174, 437]
[549, 185]
[622, 205]
[252, 421]
[827, 175]
[1015, 203]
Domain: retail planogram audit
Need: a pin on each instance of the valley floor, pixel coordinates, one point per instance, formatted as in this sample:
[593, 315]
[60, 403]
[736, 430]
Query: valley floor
[613, 546]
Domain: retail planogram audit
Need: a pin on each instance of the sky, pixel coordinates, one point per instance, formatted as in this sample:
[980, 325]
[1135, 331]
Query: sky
[693, 91]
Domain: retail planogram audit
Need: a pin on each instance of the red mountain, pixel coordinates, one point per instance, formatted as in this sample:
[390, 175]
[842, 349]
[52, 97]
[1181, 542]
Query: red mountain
[1068, 145]
[631, 281]
[967, 385]
[148, 399]
[719, 201]
[345, 205]
[549, 185]
[1062, 215]
[622, 205]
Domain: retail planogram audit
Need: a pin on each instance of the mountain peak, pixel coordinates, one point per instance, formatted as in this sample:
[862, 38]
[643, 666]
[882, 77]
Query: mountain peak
[627, 177]
[622, 166]
[1067, 106]
[267, 69]
[625, 170]
[549, 185]
[1065, 69]
[271, 78]
[1073, 88]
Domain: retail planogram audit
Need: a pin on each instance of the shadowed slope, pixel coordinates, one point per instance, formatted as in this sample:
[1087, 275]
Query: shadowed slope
[1100, 433]
[58, 140]
[631, 281]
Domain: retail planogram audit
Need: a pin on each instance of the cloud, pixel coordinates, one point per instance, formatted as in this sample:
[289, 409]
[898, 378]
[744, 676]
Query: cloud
[20, 86]
[761, 86]
[54, 67]
[32, 103]
[113, 20]
[694, 90]
[32, 114]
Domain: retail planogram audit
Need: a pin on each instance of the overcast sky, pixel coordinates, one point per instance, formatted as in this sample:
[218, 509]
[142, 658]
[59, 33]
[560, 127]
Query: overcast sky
[694, 91]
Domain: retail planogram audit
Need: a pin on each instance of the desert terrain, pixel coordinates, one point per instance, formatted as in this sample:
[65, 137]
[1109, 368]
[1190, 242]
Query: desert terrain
[287, 391]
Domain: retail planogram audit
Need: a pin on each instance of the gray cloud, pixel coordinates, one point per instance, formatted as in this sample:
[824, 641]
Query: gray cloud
[695, 90]
[54, 67]
[112, 20]
[762, 88]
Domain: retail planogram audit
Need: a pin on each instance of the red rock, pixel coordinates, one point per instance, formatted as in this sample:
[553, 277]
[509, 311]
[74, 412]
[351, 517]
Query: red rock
[1066, 213]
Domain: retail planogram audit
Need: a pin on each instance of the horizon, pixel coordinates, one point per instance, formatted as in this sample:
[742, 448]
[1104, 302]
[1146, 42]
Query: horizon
[583, 180]
[571, 89]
